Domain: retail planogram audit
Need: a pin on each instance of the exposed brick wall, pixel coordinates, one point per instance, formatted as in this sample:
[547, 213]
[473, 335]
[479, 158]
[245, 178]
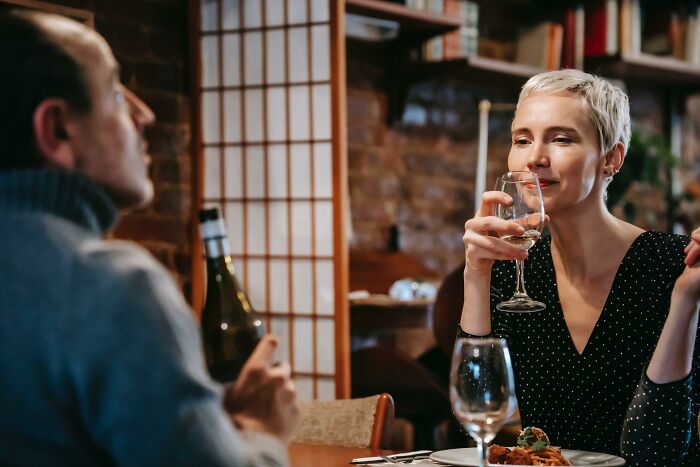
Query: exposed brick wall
[150, 40]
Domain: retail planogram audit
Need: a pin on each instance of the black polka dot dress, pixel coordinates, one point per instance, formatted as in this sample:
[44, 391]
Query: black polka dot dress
[581, 400]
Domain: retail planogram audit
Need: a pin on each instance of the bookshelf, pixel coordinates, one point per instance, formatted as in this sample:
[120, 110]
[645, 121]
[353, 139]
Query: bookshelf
[478, 69]
[648, 68]
[415, 26]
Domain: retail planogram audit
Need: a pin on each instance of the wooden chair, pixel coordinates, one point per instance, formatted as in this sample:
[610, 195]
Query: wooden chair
[362, 423]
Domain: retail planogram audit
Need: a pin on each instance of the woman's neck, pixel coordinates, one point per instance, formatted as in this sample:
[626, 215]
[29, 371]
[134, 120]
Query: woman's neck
[587, 242]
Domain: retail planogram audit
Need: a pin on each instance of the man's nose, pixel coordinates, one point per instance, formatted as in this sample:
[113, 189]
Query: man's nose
[141, 113]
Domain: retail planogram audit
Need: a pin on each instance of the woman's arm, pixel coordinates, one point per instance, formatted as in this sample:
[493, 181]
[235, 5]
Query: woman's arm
[482, 247]
[657, 426]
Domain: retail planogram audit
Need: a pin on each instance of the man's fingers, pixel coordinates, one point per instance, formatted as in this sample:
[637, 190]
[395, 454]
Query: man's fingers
[264, 352]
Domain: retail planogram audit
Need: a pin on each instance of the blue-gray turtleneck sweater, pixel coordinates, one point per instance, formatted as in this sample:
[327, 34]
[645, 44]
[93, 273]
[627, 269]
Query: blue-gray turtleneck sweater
[100, 360]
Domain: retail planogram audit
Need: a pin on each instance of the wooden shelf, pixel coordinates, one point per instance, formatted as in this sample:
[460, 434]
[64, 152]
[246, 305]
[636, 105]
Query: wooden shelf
[648, 68]
[415, 26]
[480, 69]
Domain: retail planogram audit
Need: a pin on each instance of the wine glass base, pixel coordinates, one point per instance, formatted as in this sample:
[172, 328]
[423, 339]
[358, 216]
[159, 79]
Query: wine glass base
[521, 305]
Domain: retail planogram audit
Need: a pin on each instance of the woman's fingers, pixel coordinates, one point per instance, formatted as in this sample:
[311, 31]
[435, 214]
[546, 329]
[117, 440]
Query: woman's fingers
[483, 225]
[497, 248]
[692, 253]
[490, 199]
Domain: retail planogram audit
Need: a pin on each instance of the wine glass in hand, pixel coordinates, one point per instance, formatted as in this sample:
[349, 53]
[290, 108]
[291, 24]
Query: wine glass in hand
[527, 209]
[482, 389]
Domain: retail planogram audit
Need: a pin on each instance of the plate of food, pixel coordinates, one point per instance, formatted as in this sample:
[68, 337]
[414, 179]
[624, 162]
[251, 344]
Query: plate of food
[533, 449]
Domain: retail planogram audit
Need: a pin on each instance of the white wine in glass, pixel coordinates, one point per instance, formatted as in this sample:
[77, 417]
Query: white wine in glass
[482, 389]
[527, 209]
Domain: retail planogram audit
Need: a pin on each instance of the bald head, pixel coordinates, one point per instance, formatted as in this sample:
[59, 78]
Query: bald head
[46, 58]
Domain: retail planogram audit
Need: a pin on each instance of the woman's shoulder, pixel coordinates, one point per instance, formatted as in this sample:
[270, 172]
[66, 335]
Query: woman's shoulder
[659, 250]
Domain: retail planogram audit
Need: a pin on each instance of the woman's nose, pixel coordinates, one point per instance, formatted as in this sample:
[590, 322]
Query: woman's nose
[538, 156]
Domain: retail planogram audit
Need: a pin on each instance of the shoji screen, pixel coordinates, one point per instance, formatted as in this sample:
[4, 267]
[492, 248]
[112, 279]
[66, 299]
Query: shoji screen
[271, 88]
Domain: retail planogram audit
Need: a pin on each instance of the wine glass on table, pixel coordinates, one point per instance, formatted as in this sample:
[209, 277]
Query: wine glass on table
[527, 209]
[482, 389]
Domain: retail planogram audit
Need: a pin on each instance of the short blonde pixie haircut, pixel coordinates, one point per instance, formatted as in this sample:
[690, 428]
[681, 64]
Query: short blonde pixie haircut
[610, 110]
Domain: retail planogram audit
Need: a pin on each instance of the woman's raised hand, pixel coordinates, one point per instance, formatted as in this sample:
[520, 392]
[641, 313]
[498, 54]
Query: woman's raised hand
[688, 283]
[482, 245]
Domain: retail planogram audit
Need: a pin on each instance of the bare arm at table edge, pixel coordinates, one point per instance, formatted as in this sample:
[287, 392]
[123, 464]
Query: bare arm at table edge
[482, 246]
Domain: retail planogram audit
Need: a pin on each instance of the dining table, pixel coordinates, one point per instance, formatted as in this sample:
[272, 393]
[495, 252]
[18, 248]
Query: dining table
[319, 455]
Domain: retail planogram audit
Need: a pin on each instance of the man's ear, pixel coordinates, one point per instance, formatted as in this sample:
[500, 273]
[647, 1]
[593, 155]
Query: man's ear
[50, 120]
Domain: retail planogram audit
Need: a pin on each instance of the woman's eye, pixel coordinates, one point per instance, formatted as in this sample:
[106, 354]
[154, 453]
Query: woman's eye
[520, 141]
[562, 139]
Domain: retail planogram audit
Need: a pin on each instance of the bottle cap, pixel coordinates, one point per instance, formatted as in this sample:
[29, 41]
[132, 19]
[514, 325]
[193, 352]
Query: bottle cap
[209, 214]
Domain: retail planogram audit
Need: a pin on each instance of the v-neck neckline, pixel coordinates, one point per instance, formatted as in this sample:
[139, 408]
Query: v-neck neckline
[603, 312]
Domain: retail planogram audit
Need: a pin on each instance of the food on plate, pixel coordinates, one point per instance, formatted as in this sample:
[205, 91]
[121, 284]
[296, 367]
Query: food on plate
[533, 449]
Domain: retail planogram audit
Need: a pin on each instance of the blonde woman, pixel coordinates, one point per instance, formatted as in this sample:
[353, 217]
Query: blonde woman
[608, 366]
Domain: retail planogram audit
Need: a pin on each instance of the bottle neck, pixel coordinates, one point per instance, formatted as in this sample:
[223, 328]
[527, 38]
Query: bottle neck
[217, 247]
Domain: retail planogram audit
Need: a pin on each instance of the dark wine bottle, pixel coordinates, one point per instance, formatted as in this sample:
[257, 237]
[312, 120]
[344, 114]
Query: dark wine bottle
[230, 327]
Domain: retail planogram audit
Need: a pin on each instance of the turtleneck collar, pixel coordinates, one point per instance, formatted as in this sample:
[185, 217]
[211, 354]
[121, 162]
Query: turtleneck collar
[59, 192]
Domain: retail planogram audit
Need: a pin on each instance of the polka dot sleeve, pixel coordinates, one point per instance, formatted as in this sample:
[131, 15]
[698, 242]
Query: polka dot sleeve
[657, 425]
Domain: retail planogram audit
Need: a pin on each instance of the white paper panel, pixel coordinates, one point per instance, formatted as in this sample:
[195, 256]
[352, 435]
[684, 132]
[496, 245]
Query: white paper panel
[210, 117]
[252, 14]
[234, 172]
[323, 170]
[212, 171]
[253, 58]
[301, 228]
[301, 286]
[232, 116]
[322, 111]
[299, 103]
[255, 172]
[256, 228]
[320, 43]
[254, 115]
[279, 286]
[297, 12]
[300, 171]
[325, 299]
[325, 353]
[298, 55]
[326, 389]
[280, 328]
[279, 233]
[276, 115]
[209, 15]
[210, 61]
[232, 59]
[257, 285]
[304, 386]
[231, 14]
[277, 171]
[274, 11]
[233, 215]
[319, 10]
[276, 56]
[303, 358]
[324, 227]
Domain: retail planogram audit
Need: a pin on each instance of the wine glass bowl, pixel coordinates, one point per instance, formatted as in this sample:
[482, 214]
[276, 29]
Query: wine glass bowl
[482, 391]
[527, 210]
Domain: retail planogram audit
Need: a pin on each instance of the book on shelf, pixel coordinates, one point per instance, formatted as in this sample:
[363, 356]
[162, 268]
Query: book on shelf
[601, 27]
[433, 48]
[462, 42]
[573, 47]
[541, 46]
[692, 36]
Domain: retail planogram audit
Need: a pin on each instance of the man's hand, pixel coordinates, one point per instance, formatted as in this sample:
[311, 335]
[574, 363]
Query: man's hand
[263, 398]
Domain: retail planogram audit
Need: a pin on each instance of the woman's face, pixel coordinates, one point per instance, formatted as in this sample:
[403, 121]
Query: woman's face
[553, 136]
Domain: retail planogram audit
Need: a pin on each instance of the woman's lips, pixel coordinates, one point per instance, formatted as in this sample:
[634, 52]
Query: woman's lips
[544, 183]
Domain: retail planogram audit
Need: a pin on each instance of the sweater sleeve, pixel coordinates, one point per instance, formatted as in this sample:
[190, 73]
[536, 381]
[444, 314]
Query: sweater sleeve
[139, 381]
[657, 427]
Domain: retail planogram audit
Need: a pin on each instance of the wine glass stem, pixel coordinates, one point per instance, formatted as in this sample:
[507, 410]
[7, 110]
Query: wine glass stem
[520, 278]
[482, 449]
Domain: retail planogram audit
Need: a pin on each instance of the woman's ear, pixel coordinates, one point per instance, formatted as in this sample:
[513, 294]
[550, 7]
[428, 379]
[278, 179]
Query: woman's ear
[51, 137]
[615, 158]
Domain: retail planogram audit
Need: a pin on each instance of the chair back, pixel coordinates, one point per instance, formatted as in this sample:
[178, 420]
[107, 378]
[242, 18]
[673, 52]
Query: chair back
[363, 423]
